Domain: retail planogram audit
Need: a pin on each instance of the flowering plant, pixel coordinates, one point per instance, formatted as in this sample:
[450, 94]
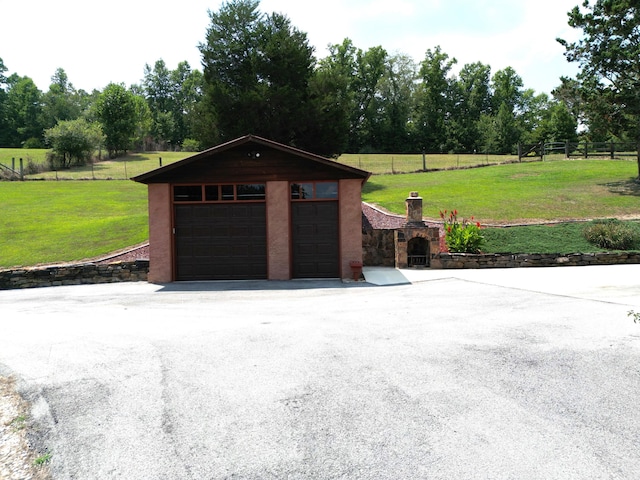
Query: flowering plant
[461, 236]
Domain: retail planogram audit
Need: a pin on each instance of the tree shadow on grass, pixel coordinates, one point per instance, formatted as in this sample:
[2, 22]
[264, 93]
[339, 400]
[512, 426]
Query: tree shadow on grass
[629, 187]
[372, 187]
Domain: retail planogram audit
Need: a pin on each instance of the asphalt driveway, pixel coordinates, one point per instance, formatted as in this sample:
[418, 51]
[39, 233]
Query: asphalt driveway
[518, 373]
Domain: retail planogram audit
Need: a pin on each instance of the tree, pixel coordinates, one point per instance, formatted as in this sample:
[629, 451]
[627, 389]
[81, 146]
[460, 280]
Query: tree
[434, 100]
[474, 100]
[61, 102]
[506, 105]
[23, 112]
[257, 70]
[608, 55]
[392, 106]
[160, 93]
[4, 126]
[117, 111]
[73, 141]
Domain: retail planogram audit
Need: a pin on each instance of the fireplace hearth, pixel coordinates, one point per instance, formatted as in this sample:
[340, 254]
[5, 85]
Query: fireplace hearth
[415, 243]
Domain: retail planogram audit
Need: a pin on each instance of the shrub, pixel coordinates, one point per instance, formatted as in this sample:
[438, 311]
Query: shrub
[33, 142]
[612, 234]
[461, 236]
[190, 145]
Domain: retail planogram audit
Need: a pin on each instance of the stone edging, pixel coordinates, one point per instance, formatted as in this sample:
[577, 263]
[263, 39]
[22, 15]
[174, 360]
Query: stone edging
[507, 260]
[75, 274]
[136, 271]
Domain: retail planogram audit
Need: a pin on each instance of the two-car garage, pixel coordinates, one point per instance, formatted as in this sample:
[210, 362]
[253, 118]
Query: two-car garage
[253, 209]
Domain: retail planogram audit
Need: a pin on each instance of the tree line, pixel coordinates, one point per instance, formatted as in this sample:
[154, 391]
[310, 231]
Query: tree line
[260, 76]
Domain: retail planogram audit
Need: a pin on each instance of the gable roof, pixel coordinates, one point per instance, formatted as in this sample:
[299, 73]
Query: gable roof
[214, 154]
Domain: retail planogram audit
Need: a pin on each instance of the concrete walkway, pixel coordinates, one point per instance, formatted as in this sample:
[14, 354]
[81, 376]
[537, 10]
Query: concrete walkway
[515, 373]
[609, 283]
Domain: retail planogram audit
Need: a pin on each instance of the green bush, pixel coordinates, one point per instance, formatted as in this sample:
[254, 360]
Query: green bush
[190, 145]
[612, 234]
[461, 236]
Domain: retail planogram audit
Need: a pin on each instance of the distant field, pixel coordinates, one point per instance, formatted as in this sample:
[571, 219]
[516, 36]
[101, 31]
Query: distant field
[407, 163]
[36, 155]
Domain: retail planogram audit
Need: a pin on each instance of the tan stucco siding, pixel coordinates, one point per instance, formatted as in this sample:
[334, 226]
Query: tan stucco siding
[350, 224]
[278, 231]
[160, 233]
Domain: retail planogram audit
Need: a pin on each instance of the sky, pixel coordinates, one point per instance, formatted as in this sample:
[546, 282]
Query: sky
[98, 42]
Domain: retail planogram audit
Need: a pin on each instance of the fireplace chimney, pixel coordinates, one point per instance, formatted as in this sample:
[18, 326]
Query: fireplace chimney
[414, 210]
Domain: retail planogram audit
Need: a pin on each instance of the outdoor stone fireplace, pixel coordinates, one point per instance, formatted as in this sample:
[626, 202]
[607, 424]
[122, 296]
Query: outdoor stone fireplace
[415, 243]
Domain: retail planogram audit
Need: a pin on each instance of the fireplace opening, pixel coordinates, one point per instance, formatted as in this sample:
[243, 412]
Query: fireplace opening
[417, 252]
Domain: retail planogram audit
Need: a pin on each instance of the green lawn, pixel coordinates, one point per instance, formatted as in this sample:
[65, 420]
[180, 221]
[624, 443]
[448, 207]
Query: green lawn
[51, 221]
[518, 193]
[45, 222]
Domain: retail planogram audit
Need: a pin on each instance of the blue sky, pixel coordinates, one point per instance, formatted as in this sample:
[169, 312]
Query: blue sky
[101, 42]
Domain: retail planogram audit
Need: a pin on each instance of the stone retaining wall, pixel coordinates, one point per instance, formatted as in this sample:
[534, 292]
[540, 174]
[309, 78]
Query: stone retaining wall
[377, 252]
[506, 260]
[50, 276]
[378, 248]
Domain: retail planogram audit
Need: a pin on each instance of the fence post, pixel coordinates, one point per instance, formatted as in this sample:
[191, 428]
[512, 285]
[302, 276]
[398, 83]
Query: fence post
[566, 149]
[424, 161]
[13, 163]
[160, 158]
[519, 151]
[21, 171]
[586, 149]
[612, 150]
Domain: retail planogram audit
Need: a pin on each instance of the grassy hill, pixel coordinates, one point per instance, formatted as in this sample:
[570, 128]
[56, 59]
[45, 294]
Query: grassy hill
[49, 221]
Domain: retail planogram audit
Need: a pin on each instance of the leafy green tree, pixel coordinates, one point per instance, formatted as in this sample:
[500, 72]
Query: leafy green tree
[434, 100]
[504, 130]
[62, 101]
[118, 112]
[4, 125]
[473, 91]
[73, 141]
[188, 95]
[257, 70]
[392, 106]
[23, 112]
[160, 92]
[561, 124]
[608, 54]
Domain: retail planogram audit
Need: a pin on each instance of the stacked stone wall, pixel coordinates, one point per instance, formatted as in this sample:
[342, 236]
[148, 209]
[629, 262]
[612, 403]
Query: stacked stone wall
[79, 274]
[506, 260]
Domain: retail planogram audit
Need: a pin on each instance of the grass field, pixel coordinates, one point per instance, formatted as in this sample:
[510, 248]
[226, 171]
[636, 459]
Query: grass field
[44, 222]
[518, 193]
[121, 168]
[407, 163]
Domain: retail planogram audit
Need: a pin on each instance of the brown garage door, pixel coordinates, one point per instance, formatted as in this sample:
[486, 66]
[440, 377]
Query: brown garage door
[221, 241]
[315, 239]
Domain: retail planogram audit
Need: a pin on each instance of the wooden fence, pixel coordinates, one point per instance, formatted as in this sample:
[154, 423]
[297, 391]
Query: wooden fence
[610, 150]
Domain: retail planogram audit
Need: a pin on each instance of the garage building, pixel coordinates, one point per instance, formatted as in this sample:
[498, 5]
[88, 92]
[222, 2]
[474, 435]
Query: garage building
[252, 208]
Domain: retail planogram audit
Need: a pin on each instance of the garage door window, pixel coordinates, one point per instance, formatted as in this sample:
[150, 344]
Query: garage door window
[219, 193]
[314, 191]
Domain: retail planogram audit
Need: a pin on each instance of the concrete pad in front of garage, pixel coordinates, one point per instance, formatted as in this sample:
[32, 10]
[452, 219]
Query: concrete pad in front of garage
[527, 373]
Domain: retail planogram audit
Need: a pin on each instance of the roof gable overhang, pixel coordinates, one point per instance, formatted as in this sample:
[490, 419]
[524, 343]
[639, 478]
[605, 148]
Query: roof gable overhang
[251, 159]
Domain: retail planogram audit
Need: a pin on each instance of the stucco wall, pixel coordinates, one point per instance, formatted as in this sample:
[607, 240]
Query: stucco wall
[350, 224]
[278, 231]
[160, 234]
